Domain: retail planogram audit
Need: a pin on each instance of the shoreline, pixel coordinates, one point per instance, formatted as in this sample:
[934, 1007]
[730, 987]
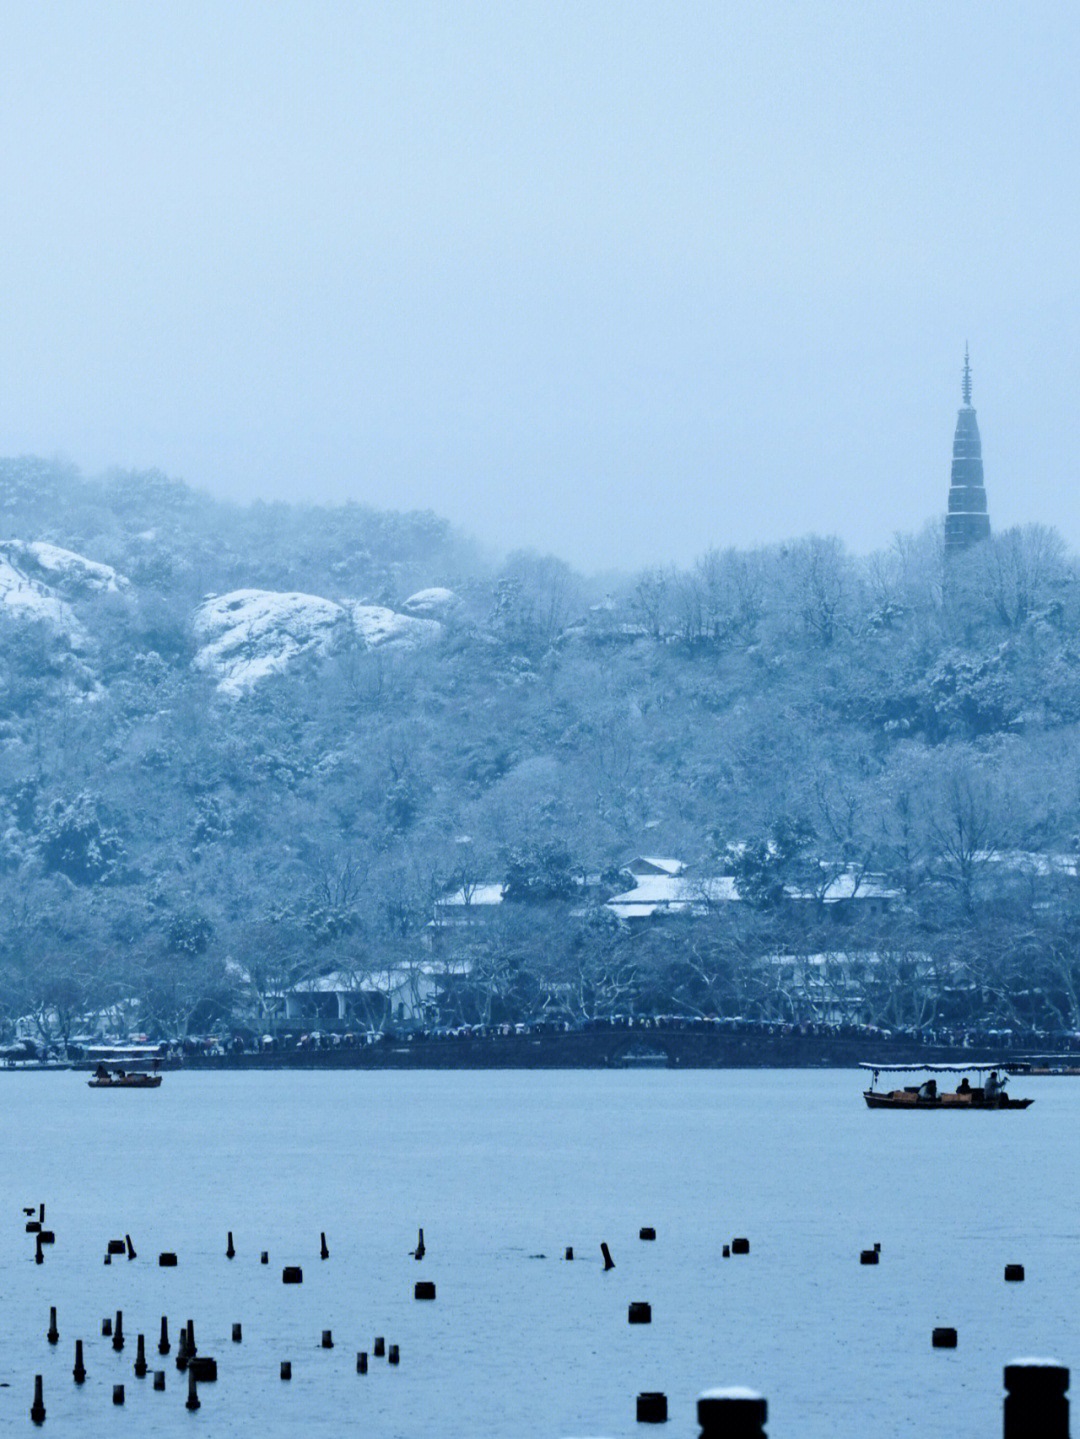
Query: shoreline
[618, 1048]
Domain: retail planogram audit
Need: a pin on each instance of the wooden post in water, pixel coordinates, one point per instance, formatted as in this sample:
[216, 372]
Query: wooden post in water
[37, 1409]
[1036, 1399]
[79, 1372]
[731, 1413]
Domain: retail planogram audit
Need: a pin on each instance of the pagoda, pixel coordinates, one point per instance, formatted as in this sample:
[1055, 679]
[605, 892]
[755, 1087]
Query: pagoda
[967, 521]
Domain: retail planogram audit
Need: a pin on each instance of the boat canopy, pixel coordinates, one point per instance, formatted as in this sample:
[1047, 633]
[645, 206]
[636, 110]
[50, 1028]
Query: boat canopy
[976, 1064]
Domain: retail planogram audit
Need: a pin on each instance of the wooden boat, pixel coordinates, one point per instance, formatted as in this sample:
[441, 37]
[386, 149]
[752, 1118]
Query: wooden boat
[990, 1094]
[125, 1081]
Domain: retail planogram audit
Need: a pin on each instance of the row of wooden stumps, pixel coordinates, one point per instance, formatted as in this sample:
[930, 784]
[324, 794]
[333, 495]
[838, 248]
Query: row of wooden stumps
[1036, 1402]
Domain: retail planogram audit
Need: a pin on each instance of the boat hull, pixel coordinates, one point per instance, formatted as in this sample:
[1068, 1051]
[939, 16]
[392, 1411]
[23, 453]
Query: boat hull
[133, 1081]
[904, 1099]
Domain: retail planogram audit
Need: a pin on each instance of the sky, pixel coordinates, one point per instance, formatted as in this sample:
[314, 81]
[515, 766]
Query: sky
[622, 282]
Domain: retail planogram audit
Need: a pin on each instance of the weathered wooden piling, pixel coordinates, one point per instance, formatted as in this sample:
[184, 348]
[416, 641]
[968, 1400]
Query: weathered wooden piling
[46, 1236]
[327, 1339]
[361, 1362]
[230, 1248]
[639, 1313]
[264, 1257]
[129, 1247]
[868, 1256]
[41, 1214]
[943, 1338]
[286, 1369]
[203, 1368]
[163, 1342]
[159, 1379]
[237, 1334]
[379, 1347]
[192, 1347]
[1036, 1399]
[424, 1289]
[651, 1408]
[118, 1332]
[116, 1246]
[393, 1355]
[33, 1226]
[79, 1371]
[54, 1334]
[140, 1357]
[108, 1256]
[1014, 1273]
[106, 1328]
[740, 1245]
[192, 1400]
[731, 1413]
[609, 1263]
[647, 1233]
[726, 1251]
[292, 1274]
[118, 1394]
[420, 1250]
[166, 1259]
[39, 1252]
[324, 1253]
[182, 1350]
[37, 1408]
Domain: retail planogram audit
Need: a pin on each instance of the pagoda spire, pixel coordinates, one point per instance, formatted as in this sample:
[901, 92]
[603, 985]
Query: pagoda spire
[967, 521]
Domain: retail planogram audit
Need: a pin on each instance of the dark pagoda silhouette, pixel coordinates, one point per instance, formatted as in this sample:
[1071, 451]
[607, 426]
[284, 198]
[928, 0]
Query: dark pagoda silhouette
[967, 521]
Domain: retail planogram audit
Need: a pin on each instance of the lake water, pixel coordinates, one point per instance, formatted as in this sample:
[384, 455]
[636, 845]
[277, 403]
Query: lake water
[504, 1170]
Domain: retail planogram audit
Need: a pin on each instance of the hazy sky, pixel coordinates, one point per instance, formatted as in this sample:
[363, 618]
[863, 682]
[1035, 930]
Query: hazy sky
[621, 281]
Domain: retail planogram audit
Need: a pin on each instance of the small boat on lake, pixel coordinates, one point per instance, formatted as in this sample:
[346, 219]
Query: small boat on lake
[123, 1079]
[986, 1095]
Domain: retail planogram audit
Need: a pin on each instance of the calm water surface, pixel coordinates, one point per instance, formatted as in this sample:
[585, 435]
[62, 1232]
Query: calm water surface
[504, 1170]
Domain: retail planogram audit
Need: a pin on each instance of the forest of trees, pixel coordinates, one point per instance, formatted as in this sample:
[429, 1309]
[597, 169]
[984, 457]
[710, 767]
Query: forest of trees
[777, 714]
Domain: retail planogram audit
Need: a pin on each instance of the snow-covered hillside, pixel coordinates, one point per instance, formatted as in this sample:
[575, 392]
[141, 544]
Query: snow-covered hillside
[248, 634]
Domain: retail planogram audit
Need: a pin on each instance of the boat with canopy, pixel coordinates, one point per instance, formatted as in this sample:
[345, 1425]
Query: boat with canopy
[988, 1093]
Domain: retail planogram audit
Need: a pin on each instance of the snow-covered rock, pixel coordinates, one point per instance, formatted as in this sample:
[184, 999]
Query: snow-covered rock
[37, 581]
[248, 634]
[30, 599]
[435, 602]
[376, 625]
[70, 574]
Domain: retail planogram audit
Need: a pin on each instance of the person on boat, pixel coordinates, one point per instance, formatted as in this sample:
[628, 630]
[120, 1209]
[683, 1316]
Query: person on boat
[964, 1086]
[101, 1072]
[994, 1086]
[928, 1090]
